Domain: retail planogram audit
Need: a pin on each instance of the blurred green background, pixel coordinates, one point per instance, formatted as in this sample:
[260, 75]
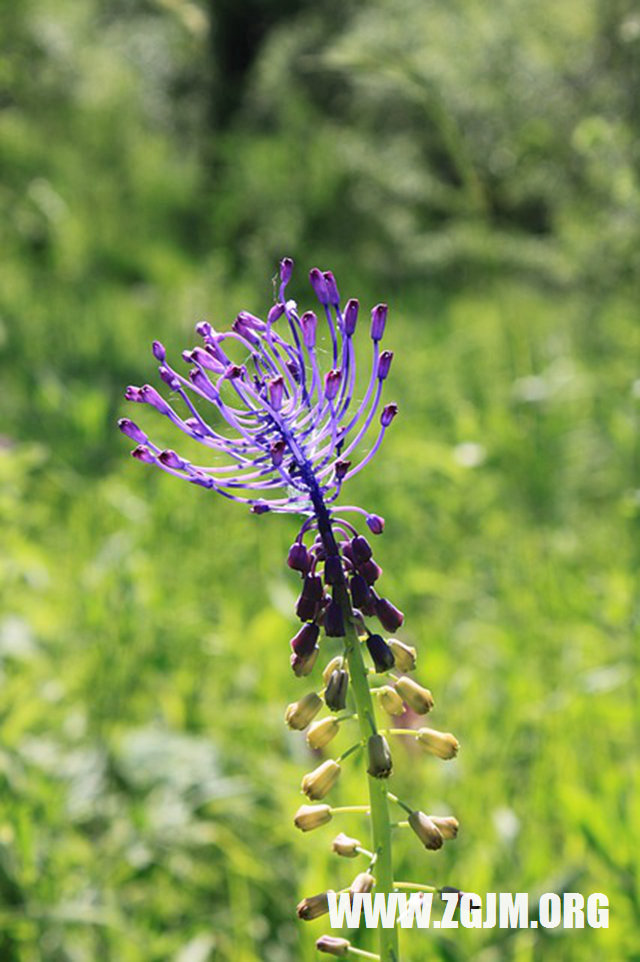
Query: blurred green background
[477, 166]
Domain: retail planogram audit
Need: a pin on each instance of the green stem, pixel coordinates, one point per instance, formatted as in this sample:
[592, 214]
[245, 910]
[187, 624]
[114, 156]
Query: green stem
[380, 822]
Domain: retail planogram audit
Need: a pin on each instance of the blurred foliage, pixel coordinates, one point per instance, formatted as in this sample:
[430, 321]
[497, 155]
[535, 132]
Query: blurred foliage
[477, 166]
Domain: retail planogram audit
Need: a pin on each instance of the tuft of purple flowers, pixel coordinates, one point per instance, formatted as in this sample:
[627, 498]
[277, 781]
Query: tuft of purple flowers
[281, 432]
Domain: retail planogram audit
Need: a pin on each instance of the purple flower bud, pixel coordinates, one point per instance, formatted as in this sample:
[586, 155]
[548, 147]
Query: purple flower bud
[351, 316]
[334, 620]
[378, 321]
[169, 377]
[306, 608]
[360, 593]
[202, 382]
[298, 558]
[131, 429]
[250, 320]
[286, 269]
[172, 460]
[204, 329]
[151, 396]
[331, 384]
[294, 371]
[134, 394]
[213, 348]
[143, 454]
[276, 391]
[375, 523]
[260, 507]
[199, 356]
[370, 571]
[234, 371]
[277, 450]
[275, 313]
[333, 570]
[246, 331]
[319, 285]
[335, 694]
[195, 427]
[388, 615]
[381, 653]
[345, 547]
[159, 351]
[312, 588]
[389, 411]
[308, 323]
[341, 468]
[332, 288]
[360, 549]
[304, 641]
[384, 364]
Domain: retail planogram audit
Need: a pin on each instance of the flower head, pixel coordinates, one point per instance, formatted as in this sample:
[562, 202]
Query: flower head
[281, 430]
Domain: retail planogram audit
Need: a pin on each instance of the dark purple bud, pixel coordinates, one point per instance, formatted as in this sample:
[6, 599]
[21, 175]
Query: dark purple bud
[151, 396]
[245, 331]
[318, 549]
[159, 351]
[375, 523]
[275, 313]
[351, 316]
[276, 391]
[388, 615]
[309, 323]
[345, 547]
[213, 348]
[306, 608]
[334, 620]
[333, 570]
[360, 549]
[143, 454]
[131, 429]
[304, 641]
[335, 694]
[319, 285]
[286, 269]
[312, 588]
[384, 364]
[381, 653]
[332, 288]
[389, 411]
[204, 329]
[260, 507]
[134, 394]
[380, 761]
[298, 558]
[294, 371]
[370, 571]
[234, 371]
[172, 460]
[331, 384]
[169, 377]
[360, 593]
[303, 664]
[341, 468]
[277, 452]
[378, 321]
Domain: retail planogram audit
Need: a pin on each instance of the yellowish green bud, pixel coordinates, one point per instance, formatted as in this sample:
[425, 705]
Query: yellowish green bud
[389, 700]
[345, 846]
[300, 713]
[443, 744]
[362, 883]
[321, 780]
[336, 664]
[405, 656]
[426, 830]
[313, 907]
[448, 826]
[321, 732]
[332, 945]
[309, 817]
[416, 697]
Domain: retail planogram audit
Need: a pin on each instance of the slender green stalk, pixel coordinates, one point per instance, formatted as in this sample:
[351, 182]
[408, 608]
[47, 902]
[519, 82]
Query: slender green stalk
[380, 822]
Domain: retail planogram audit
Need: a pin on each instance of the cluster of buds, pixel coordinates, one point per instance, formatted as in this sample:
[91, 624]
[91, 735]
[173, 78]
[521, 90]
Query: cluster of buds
[282, 435]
